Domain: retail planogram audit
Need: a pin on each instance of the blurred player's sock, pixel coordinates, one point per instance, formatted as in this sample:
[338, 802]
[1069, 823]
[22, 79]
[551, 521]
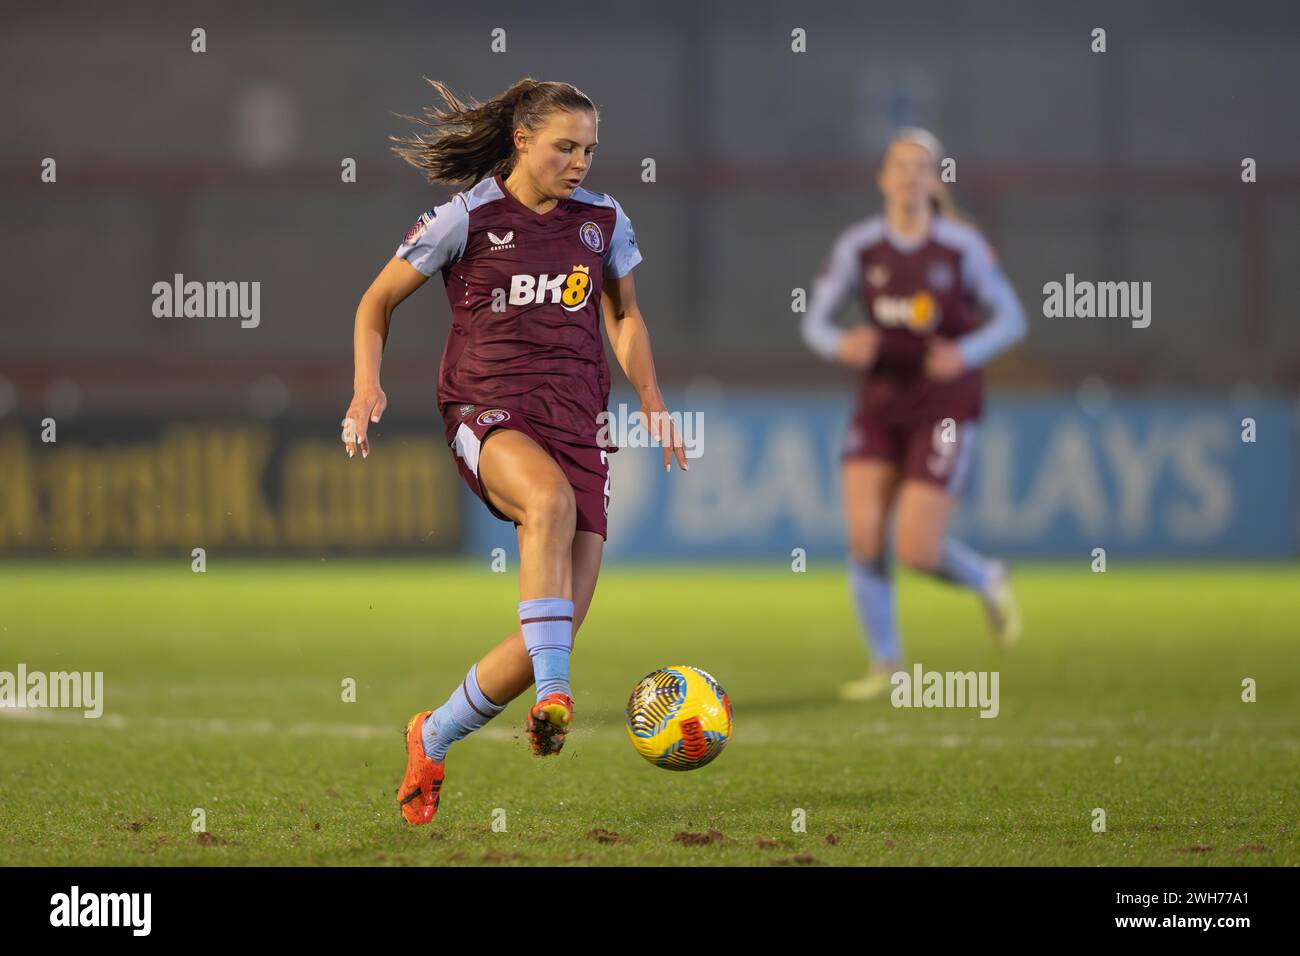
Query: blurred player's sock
[466, 710]
[547, 624]
[960, 565]
[873, 594]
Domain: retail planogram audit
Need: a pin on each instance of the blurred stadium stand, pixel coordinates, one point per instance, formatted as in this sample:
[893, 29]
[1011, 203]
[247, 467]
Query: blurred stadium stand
[226, 165]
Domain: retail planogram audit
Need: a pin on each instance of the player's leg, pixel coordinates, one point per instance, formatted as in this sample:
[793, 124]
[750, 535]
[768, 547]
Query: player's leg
[523, 482]
[584, 474]
[924, 510]
[549, 720]
[869, 486]
[586, 469]
[588, 550]
[934, 474]
[520, 481]
[506, 671]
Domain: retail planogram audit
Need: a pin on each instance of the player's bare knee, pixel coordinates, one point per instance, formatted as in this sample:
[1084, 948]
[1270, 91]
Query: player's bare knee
[551, 505]
[866, 544]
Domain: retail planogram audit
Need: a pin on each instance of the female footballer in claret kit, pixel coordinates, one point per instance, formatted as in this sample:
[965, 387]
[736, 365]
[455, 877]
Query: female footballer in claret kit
[922, 276]
[531, 261]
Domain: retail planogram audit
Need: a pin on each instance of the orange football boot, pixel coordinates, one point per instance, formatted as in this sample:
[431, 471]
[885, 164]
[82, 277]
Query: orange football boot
[548, 722]
[422, 785]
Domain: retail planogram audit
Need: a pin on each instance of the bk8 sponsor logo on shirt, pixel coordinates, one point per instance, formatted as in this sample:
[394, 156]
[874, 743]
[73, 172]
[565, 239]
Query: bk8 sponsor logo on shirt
[919, 312]
[571, 290]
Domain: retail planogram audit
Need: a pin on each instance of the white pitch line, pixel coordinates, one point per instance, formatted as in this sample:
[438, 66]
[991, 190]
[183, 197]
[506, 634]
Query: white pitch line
[221, 726]
[880, 734]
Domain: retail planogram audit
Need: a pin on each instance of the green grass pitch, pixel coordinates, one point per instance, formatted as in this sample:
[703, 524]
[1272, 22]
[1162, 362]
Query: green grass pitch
[224, 693]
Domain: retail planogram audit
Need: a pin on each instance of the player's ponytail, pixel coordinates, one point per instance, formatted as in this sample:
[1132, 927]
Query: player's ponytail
[466, 143]
[942, 203]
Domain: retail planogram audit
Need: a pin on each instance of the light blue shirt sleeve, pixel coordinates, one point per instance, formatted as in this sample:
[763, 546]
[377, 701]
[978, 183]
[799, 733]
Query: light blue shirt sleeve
[1006, 323]
[622, 255]
[837, 279]
[438, 237]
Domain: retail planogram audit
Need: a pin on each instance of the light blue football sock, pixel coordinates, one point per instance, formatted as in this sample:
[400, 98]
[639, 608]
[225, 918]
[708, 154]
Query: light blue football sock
[873, 594]
[962, 566]
[466, 710]
[548, 635]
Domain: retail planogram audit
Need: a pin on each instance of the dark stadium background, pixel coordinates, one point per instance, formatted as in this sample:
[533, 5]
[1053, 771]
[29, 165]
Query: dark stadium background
[225, 166]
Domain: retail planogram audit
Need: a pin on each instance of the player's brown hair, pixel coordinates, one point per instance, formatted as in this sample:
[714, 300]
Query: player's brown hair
[466, 143]
[944, 205]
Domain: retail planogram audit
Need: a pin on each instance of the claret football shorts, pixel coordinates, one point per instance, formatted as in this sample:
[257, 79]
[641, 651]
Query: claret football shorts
[587, 469]
[918, 449]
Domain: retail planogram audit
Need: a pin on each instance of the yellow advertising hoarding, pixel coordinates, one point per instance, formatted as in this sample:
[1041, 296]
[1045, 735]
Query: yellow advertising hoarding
[250, 488]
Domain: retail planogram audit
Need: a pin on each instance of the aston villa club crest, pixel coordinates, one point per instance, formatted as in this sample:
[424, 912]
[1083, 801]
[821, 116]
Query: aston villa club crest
[592, 237]
[939, 276]
[877, 275]
[493, 416]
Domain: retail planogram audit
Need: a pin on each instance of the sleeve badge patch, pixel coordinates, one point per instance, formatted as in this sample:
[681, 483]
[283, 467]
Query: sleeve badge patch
[415, 232]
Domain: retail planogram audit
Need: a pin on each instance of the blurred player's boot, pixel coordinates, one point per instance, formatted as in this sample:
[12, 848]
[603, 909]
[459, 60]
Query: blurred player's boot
[1000, 605]
[548, 722]
[875, 684]
[422, 785]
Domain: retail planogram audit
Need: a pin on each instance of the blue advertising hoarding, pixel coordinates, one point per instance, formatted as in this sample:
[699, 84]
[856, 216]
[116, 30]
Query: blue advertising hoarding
[1167, 477]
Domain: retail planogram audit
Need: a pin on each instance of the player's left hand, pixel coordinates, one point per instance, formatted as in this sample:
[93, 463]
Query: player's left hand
[664, 432]
[943, 360]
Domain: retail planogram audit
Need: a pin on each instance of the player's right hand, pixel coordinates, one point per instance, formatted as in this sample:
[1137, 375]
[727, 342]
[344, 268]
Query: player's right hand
[857, 347]
[368, 404]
